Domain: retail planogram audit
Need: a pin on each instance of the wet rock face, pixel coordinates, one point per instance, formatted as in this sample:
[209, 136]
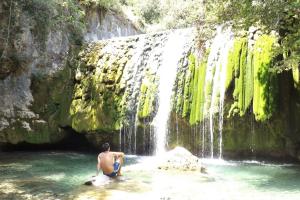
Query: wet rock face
[110, 79]
[26, 54]
[116, 87]
[107, 24]
[36, 82]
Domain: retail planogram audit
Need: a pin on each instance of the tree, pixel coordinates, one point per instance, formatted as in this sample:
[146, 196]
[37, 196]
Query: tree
[283, 16]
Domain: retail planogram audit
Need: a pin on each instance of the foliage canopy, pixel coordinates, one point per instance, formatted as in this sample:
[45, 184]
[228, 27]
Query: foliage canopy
[282, 16]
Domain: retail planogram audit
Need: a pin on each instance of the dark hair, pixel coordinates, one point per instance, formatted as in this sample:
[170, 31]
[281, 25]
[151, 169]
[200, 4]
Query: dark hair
[105, 146]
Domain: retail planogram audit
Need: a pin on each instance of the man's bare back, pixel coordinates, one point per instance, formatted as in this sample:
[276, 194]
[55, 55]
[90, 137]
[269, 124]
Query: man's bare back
[107, 160]
[110, 162]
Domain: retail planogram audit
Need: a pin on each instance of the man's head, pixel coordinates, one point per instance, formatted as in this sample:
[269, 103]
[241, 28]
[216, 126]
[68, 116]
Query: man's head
[105, 146]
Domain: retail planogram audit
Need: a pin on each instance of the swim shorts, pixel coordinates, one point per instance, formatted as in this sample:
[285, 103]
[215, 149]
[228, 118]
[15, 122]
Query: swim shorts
[116, 169]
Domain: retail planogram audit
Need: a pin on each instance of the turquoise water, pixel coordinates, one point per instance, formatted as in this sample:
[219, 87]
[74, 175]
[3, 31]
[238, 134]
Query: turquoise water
[60, 175]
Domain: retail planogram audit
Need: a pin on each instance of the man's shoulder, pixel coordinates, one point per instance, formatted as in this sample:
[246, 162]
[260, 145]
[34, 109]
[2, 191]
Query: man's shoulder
[100, 154]
[104, 154]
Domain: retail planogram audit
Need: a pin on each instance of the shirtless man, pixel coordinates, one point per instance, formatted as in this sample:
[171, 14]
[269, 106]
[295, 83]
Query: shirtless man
[110, 162]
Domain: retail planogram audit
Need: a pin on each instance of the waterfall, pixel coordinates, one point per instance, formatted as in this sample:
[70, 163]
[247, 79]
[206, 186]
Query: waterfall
[129, 85]
[215, 82]
[145, 60]
[162, 53]
[178, 43]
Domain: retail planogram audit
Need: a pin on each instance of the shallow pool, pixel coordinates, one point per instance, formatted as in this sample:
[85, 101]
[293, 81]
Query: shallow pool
[60, 175]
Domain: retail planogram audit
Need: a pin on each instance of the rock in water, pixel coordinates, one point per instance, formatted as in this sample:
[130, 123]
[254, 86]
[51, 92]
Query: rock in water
[180, 159]
[98, 180]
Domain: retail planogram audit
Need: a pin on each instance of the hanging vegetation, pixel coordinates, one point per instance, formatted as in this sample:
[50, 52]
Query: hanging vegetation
[240, 67]
[265, 82]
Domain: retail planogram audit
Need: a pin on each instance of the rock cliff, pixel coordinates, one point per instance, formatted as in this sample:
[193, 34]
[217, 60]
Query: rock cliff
[39, 40]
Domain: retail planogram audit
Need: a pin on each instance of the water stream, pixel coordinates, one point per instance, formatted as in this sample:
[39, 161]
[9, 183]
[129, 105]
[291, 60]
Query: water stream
[175, 49]
[215, 82]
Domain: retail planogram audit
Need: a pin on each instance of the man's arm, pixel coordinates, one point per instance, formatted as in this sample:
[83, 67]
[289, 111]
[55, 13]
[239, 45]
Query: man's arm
[118, 154]
[98, 165]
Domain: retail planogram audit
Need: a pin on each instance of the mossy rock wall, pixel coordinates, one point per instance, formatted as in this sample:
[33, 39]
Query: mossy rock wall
[277, 137]
[38, 43]
[35, 54]
[96, 105]
[259, 110]
[260, 130]
[116, 87]
[101, 93]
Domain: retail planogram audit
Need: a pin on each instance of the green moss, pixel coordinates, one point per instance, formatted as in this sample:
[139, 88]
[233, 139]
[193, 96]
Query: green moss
[98, 100]
[253, 81]
[240, 67]
[147, 96]
[296, 76]
[200, 97]
[147, 107]
[33, 132]
[265, 82]
[233, 61]
[188, 87]
[61, 94]
[208, 89]
[178, 97]
[189, 99]
[193, 87]
[53, 96]
[239, 140]
[93, 58]
[197, 109]
[242, 77]
[249, 81]
[97, 113]
[40, 136]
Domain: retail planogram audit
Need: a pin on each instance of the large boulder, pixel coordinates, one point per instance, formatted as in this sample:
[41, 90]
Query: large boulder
[180, 159]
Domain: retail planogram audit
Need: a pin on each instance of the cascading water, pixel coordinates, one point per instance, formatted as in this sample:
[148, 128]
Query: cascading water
[163, 59]
[179, 42]
[223, 63]
[215, 81]
[129, 82]
[145, 57]
[134, 67]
